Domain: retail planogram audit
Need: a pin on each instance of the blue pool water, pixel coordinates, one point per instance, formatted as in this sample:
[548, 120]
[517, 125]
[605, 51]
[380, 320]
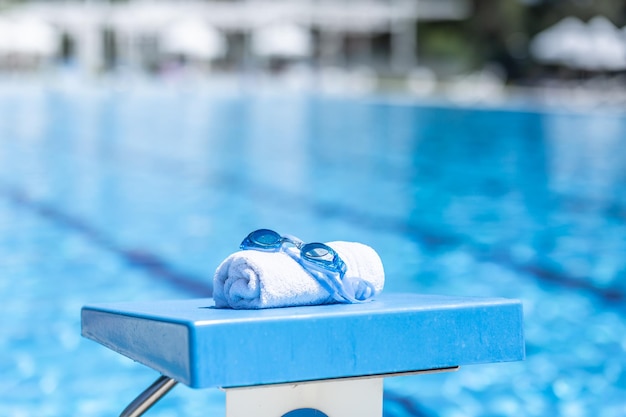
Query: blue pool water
[110, 194]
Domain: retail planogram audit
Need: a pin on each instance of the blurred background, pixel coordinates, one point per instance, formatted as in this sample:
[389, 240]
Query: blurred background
[477, 146]
[423, 47]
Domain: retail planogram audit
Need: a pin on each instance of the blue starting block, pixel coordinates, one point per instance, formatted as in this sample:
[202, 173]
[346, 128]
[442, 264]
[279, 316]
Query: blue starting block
[327, 359]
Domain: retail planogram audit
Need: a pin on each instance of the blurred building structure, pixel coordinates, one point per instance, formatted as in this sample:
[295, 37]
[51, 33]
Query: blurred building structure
[143, 35]
[471, 48]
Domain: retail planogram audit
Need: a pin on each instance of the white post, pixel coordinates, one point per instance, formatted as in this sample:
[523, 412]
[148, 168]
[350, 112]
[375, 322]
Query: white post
[403, 38]
[334, 398]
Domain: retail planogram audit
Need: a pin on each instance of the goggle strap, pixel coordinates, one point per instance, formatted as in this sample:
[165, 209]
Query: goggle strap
[342, 290]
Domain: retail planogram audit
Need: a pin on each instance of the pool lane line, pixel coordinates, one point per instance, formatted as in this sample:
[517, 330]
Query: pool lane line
[425, 236]
[428, 237]
[150, 263]
[480, 252]
[613, 295]
[142, 259]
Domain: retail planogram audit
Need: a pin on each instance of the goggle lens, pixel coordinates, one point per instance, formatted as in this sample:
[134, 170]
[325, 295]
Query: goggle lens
[265, 237]
[318, 252]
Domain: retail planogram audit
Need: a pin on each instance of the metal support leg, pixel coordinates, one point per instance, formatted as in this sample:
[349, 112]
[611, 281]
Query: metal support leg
[149, 397]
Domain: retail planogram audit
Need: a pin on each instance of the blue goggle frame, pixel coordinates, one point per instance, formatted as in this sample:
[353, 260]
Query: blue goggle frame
[319, 259]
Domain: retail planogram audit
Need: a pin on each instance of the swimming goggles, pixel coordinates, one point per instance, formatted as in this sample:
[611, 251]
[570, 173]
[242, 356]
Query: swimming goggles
[318, 259]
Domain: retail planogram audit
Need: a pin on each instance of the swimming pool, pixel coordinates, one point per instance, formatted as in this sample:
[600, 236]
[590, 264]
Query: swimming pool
[111, 194]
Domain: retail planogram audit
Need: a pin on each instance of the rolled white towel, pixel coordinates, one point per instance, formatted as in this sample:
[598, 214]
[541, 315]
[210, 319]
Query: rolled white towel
[251, 279]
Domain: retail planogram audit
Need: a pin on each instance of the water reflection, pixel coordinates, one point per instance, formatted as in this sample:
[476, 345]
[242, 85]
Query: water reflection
[123, 195]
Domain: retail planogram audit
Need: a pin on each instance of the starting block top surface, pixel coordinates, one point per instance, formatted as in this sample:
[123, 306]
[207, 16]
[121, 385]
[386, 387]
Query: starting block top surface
[203, 346]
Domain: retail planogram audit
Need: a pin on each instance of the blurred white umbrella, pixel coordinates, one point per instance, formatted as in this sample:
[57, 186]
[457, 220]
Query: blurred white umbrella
[282, 41]
[596, 45]
[193, 38]
[6, 35]
[29, 36]
[561, 43]
[608, 48]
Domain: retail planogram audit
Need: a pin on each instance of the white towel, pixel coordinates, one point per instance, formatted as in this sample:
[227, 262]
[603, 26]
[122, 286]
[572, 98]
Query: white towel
[251, 279]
